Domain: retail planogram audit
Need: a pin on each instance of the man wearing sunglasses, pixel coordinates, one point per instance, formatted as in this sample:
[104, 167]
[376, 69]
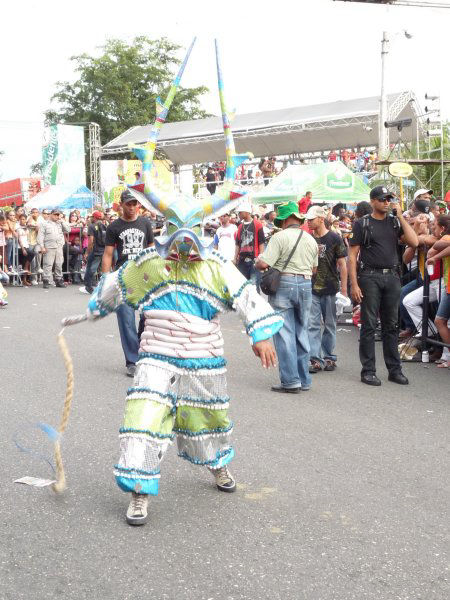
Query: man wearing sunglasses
[128, 234]
[374, 268]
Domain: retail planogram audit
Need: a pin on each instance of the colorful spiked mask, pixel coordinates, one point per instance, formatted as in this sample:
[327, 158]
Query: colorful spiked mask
[185, 214]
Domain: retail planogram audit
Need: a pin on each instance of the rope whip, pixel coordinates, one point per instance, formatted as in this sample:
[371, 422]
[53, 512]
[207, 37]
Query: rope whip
[60, 484]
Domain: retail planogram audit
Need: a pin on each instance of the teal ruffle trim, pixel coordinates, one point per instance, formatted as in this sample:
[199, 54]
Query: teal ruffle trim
[187, 363]
[144, 486]
[265, 333]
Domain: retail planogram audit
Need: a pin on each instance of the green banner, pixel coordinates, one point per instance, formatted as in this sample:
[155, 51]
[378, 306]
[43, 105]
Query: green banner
[50, 155]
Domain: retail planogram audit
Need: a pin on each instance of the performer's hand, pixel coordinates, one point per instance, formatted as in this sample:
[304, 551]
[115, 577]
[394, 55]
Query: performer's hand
[266, 353]
[357, 294]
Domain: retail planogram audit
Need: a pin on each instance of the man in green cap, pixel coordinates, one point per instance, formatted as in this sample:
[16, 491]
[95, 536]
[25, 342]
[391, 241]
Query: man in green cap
[293, 297]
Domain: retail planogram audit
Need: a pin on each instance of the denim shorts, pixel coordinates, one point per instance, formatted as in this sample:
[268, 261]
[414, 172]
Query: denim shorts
[443, 311]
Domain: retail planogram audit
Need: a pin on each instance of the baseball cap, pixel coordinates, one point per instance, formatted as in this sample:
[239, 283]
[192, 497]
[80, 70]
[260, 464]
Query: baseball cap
[56, 211]
[245, 207]
[315, 211]
[380, 192]
[422, 191]
[97, 214]
[126, 196]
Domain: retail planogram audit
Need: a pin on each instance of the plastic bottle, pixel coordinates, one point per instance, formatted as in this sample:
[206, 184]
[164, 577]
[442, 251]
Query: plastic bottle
[425, 356]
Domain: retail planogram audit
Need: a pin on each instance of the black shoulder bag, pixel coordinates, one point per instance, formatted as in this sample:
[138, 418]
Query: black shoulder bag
[270, 279]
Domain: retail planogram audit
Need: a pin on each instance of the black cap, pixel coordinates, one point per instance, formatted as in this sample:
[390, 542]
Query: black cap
[380, 192]
[56, 211]
[423, 206]
[126, 196]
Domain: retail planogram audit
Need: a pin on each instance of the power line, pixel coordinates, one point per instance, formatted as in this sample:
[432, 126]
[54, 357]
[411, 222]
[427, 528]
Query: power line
[410, 3]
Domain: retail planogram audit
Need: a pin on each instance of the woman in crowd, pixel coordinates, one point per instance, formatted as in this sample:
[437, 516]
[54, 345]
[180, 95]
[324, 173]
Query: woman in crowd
[441, 251]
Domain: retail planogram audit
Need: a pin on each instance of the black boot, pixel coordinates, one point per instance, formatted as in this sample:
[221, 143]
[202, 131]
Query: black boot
[60, 283]
[45, 284]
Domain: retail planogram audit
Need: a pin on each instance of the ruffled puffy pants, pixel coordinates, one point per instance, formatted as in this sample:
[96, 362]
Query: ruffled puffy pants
[165, 402]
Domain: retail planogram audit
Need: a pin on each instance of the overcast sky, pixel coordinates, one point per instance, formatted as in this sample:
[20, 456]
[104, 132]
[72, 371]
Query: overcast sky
[274, 54]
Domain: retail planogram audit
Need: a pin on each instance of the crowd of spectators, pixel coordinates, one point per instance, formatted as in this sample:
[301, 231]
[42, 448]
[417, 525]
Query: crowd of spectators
[27, 243]
[358, 161]
[212, 174]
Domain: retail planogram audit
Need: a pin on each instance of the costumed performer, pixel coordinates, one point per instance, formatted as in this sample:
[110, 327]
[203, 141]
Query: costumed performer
[182, 285]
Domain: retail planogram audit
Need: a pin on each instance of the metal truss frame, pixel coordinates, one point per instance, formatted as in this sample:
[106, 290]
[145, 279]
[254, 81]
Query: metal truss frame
[95, 153]
[365, 120]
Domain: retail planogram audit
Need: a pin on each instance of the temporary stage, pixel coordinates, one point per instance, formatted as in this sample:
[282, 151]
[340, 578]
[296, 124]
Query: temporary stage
[300, 130]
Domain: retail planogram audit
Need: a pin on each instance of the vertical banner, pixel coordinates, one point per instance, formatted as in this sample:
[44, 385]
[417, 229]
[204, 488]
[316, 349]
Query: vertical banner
[50, 155]
[63, 156]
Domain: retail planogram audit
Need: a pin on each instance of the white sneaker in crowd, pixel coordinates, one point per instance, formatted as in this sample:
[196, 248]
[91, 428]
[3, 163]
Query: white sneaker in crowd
[34, 282]
[83, 290]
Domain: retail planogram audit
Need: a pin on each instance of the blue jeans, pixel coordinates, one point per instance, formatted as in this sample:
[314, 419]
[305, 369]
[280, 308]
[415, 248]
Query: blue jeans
[128, 333]
[92, 265]
[293, 299]
[250, 272]
[322, 344]
[405, 319]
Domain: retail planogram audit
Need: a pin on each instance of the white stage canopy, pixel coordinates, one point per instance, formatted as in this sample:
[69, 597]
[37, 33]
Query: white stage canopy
[301, 130]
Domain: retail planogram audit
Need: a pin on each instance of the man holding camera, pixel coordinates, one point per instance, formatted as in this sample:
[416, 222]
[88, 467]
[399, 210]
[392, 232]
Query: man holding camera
[376, 284]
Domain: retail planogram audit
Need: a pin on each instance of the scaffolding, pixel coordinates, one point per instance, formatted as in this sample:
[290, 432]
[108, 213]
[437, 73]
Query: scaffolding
[95, 153]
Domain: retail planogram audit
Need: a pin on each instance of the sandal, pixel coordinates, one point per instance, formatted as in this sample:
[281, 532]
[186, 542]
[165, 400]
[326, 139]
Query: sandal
[330, 365]
[315, 366]
[443, 365]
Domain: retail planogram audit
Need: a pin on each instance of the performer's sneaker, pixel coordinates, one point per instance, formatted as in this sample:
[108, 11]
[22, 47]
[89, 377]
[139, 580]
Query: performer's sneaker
[224, 479]
[137, 509]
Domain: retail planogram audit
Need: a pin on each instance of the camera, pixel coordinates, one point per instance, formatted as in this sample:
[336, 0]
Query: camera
[398, 124]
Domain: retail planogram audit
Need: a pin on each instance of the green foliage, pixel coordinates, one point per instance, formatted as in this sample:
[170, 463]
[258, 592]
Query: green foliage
[119, 88]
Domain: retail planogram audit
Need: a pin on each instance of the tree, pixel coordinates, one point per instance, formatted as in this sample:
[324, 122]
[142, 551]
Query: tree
[118, 89]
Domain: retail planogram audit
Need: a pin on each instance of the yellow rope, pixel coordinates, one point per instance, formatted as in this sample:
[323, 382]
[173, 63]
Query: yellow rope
[60, 484]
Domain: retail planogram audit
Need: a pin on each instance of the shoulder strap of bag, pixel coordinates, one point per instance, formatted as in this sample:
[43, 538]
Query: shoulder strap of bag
[291, 254]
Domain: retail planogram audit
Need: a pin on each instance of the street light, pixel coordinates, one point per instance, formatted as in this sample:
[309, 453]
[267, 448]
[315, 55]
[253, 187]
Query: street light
[382, 132]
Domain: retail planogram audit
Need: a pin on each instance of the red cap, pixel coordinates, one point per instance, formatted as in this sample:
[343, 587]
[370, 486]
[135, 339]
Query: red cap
[97, 214]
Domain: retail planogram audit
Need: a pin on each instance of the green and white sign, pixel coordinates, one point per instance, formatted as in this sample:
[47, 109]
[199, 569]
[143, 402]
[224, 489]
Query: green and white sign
[63, 156]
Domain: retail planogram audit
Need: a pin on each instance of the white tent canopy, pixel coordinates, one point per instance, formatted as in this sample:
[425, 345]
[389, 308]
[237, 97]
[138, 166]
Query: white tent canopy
[317, 128]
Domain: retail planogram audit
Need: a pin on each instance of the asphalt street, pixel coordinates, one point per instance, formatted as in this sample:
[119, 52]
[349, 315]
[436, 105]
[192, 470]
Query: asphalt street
[343, 490]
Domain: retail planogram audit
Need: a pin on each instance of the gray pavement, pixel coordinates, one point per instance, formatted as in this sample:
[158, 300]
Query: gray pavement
[343, 490]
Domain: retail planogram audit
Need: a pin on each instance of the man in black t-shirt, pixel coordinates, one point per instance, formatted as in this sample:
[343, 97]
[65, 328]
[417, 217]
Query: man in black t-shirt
[325, 285]
[377, 286]
[129, 235]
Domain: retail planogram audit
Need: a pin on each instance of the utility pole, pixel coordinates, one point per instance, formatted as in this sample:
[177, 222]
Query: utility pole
[383, 140]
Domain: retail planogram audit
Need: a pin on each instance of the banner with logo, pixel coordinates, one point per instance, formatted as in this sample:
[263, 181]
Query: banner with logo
[116, 174]
[63, 156]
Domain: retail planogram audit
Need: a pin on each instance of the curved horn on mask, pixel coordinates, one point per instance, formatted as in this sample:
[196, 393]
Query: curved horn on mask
[228, 192]
[146, 152]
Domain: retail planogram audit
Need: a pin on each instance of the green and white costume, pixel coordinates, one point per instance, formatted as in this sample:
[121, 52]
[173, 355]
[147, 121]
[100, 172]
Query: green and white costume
[179, 389]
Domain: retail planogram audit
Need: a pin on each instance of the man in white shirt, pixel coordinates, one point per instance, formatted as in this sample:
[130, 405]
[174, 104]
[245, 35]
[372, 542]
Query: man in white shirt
[224, 240]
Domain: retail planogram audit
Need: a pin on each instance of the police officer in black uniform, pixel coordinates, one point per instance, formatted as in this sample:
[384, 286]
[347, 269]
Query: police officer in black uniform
[375, 283]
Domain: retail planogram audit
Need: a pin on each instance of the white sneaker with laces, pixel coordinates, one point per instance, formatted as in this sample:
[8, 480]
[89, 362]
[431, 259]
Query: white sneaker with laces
[137, 509]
